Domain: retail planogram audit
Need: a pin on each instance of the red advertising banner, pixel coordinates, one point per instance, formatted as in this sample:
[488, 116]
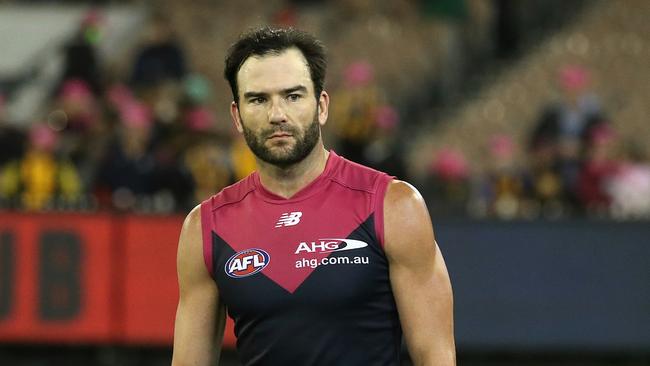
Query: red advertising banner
[55, 277]
[150, 283]
[92, 279]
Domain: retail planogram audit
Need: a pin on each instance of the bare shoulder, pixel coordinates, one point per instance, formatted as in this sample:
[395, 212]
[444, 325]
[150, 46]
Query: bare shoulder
[407, 225]
[193, 220]
[401, 194]
[191, 231]
[190, 245]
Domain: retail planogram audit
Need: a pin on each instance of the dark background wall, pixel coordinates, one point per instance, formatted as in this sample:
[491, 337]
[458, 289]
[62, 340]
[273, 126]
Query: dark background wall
[573, 285]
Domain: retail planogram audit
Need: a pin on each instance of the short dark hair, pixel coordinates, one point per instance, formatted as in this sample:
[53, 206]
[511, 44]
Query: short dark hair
[267, 40]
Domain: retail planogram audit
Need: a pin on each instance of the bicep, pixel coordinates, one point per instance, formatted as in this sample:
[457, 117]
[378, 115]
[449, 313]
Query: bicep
[200, 317]
[418, 277]
[424, 301]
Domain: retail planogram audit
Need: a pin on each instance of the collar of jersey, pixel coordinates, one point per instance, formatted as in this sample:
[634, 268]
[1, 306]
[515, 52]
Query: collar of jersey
[309, 190]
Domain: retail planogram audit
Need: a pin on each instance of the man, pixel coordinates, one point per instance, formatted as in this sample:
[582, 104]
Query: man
[319, 261]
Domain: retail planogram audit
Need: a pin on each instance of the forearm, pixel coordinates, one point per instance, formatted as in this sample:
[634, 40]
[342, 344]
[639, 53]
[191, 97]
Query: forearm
[190, 348]
[434, 355]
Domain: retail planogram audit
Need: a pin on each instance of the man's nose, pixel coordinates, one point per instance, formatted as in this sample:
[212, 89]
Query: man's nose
[277, 112]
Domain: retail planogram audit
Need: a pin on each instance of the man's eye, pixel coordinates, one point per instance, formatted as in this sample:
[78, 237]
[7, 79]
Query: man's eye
[258, 100]
[293, 97]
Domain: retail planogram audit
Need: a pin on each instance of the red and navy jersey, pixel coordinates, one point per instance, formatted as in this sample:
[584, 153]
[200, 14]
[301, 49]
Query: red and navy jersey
[305, 279]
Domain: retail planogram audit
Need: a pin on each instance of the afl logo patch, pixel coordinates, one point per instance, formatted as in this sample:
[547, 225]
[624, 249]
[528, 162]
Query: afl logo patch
[247, 263]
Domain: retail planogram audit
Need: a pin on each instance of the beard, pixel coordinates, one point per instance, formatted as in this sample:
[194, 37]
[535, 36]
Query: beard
[283, 156]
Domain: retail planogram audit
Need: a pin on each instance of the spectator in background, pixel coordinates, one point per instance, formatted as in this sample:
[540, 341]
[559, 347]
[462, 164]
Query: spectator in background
[243, 160]
[502, 188]
[181, 120]
[543, 185]
[80, 106]
[46, 181]
[448, 184]
[209, 163]
[38, 169]
[354, 114]
[173, 177]
[157, 77]
[12, 139]
[597, 172]
[366, 126]
[160, 58]
[629, 188]
[80, 56]
[565, 126]
[78, 118]
[126, 172]
[151, 152]
[382, 152]
[12, 147]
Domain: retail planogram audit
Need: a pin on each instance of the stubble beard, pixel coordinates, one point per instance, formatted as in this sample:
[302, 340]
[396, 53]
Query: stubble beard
[283, 157]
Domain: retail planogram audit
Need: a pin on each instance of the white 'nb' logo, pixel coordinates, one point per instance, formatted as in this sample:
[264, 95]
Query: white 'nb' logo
[289, 219]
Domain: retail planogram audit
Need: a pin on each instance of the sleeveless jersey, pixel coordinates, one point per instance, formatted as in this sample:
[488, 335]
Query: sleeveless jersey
[305, 279]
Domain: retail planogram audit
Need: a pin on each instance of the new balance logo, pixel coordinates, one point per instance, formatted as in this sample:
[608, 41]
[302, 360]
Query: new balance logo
[289, 219]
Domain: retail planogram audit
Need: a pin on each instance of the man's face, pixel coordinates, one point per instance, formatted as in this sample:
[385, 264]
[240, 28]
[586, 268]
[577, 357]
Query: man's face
[278, 112]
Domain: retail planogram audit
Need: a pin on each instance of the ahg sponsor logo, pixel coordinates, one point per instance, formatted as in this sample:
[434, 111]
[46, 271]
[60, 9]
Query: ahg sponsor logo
[329, 245]
[247, 263]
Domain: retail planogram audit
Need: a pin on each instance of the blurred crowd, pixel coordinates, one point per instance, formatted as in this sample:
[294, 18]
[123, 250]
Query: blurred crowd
[144, 142]
[575, 164]
[148, 140]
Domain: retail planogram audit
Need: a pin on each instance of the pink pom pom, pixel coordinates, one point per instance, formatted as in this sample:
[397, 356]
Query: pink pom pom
[75, 90]
[501, 146]
[119, 95]
[199, 119]
[450, 165]
[43, 137]
[574, 77]
[359, 73]
[387, 118]
[136, 115]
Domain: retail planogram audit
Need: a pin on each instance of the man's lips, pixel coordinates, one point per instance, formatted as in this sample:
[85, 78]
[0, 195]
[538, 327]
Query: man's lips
[279, 135]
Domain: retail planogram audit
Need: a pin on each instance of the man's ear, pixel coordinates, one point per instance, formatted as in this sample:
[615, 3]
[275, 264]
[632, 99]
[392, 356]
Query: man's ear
[234, 115]
[323, 107]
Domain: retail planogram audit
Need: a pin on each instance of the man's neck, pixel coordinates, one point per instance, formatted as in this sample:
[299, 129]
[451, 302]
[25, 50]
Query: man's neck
[285, 182]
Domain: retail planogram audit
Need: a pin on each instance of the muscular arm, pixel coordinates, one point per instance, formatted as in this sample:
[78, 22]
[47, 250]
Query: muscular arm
[419, 278]
[200, 318]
